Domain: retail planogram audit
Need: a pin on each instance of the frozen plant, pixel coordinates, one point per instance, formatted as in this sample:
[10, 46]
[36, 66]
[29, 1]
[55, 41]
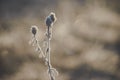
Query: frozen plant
[45, 55]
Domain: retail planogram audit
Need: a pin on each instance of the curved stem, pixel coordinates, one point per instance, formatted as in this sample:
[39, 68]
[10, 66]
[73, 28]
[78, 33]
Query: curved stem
[39, 47]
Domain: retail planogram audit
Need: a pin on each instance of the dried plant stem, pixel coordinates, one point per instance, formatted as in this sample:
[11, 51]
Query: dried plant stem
[39, 48]
[48, 53]
[45, 55]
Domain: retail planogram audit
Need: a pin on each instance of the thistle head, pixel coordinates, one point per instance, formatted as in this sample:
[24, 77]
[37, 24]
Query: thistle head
[34, 29]
[50, 19]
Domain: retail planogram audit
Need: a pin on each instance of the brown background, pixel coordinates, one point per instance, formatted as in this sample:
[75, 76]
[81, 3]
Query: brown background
[85, 43]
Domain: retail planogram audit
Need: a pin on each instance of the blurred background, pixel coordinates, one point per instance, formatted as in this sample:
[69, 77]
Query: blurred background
[85, 43]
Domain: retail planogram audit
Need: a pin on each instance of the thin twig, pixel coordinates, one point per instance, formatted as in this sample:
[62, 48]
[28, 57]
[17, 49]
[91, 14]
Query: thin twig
[48, 47]
[39, 48]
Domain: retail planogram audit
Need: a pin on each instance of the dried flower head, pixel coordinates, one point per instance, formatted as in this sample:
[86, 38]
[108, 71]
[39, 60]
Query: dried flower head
[50, 19]
[34, 29]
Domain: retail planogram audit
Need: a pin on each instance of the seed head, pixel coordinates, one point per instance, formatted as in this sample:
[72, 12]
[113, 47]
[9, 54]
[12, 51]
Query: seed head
[34, 29]
[50, 19]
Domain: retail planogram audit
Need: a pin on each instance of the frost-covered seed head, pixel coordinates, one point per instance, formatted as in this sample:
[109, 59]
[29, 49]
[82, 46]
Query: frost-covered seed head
[34, 30]
[50, 19]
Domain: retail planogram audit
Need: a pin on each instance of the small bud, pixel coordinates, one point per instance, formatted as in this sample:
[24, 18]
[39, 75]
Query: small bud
[50, 19]
[34, 30]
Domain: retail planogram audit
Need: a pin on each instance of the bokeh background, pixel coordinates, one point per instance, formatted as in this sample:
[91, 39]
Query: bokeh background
[85, 43]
